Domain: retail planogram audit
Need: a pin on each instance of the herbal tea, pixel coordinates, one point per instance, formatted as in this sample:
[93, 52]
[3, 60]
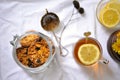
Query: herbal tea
[87, 53]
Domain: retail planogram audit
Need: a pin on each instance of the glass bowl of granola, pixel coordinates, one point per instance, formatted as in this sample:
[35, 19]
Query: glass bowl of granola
[33, 51]
[113, 46]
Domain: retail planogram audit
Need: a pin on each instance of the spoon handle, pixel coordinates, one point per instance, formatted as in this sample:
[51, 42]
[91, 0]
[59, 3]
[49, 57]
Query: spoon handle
[60, 46]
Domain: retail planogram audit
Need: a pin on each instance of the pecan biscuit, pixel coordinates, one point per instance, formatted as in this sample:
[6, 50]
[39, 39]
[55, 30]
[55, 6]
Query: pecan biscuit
[22, 55]
[27, 40]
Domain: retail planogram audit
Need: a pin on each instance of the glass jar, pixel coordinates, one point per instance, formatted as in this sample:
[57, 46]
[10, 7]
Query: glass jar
[16, 44]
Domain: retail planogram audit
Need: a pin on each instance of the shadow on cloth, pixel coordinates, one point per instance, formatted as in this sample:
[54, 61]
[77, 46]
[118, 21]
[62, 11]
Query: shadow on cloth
[99, 71]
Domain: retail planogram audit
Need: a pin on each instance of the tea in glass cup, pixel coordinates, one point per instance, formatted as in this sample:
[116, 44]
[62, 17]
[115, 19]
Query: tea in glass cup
[88, 53]
[108, 13]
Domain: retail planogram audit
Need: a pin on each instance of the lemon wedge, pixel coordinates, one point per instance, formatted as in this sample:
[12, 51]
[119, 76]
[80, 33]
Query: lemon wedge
[88, 54]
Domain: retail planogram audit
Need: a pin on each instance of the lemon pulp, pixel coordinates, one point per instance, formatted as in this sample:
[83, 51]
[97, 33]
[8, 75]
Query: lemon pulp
[88, 54]
[110, 17]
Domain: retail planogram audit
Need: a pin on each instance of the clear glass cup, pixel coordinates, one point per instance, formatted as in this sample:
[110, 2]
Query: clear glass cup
[16, 44]
[90, 40]
[100, 6]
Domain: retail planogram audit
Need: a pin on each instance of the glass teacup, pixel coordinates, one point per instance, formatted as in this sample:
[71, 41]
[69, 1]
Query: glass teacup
[92, 41]
[106, 8]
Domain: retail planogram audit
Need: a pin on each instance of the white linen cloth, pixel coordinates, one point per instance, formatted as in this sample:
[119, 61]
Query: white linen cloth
[19, 16]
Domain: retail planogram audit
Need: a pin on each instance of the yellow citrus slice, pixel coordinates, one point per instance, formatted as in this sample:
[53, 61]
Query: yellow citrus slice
[115, 5]
[101, 13]
[110, 17]
[88, 54]
[114, 0]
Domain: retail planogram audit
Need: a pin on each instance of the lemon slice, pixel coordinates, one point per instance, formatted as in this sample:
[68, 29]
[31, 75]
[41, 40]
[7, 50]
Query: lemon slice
[110, 17]
[115, 4]
[88, 54]
[101, 13]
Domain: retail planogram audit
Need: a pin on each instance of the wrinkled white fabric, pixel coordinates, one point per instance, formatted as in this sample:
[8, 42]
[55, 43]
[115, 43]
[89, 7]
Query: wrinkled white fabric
[19, 16]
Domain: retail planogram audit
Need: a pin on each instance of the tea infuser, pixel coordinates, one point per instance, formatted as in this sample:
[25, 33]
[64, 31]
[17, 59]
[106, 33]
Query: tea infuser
[87, 34]
[50, 22]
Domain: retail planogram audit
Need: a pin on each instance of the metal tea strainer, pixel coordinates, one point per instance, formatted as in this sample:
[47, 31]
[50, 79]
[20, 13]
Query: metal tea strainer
[50, 22]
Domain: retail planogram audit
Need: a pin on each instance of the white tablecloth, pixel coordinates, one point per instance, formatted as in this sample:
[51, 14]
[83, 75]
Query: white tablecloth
[19, 16]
